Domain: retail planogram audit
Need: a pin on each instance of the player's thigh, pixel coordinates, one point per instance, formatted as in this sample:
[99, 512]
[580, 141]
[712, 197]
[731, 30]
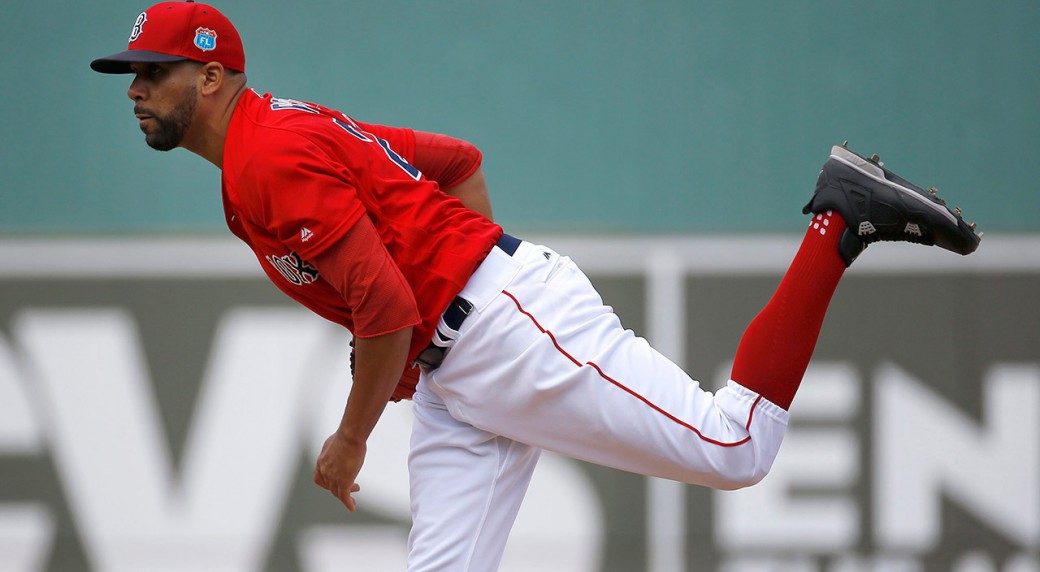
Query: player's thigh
[548, 364]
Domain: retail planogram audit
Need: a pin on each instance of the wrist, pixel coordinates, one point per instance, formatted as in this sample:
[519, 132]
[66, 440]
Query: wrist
[351, 437]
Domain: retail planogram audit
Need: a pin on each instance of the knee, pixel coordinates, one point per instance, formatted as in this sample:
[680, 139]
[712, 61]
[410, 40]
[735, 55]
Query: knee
[741, 481]
[732, 469]
[747, 461]
[740, 477]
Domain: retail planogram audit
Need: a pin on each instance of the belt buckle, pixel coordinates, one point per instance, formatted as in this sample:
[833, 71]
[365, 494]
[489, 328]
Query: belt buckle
[456, 313]
[431, 357]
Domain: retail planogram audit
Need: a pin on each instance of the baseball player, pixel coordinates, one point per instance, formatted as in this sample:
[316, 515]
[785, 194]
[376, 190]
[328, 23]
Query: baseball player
[503, 345]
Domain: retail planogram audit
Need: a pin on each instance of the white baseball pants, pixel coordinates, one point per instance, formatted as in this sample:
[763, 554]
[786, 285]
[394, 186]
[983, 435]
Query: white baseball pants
[541, 363]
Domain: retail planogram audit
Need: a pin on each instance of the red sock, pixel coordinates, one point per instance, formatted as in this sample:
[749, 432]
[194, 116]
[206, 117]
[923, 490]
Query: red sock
[776, 347]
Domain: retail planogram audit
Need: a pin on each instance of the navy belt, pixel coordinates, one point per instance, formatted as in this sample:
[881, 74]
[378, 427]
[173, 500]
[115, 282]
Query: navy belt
[458, 311]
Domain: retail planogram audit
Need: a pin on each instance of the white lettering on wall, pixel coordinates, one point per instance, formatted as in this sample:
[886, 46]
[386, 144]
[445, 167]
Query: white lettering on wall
[26, 529]
[771, 514]
[925, 449]
[132, 509]
[20, 431]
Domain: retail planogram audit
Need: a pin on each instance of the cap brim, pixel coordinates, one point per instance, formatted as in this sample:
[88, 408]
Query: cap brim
[120, 63]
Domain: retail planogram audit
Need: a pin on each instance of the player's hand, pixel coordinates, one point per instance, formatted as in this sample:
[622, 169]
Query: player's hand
[338, 465]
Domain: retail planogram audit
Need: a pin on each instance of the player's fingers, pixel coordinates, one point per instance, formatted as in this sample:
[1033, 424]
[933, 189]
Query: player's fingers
[348, 500]
[319, 479]
[345, 497]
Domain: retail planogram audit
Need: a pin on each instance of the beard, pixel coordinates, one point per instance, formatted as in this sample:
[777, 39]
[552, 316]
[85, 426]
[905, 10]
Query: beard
[171, 128]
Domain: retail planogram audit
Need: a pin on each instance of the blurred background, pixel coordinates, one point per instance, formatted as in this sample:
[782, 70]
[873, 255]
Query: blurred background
[161, 404]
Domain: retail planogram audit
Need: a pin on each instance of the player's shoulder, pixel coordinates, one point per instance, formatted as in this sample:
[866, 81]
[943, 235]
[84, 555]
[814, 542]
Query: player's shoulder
[285, 113]
[264, 125]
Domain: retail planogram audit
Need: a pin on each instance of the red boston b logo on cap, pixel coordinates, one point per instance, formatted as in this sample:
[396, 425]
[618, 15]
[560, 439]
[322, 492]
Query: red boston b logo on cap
[171, 31]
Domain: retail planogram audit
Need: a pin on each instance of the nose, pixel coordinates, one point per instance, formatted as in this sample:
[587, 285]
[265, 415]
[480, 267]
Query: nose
[136, 89]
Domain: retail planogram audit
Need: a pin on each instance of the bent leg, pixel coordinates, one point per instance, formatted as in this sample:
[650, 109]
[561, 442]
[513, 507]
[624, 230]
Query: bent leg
[546, 363]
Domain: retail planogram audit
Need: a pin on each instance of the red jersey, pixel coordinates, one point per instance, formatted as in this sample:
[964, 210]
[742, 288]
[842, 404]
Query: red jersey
[297, 176]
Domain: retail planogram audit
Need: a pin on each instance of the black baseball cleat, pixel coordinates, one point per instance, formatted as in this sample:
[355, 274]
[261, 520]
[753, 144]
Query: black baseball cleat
[879, 205]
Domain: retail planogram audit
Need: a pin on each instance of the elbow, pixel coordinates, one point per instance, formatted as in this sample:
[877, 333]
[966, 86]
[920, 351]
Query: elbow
[469, 156]
[733, 468]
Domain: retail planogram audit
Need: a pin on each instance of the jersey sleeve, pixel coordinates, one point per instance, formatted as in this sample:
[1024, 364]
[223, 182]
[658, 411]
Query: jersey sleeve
[300, 196]
[362, 271]
[444, 159]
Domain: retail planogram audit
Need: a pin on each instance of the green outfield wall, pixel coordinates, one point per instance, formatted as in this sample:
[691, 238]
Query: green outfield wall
[658, 116]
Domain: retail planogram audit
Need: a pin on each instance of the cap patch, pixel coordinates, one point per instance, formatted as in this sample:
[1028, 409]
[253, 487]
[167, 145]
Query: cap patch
[138, 26]
[205, 39]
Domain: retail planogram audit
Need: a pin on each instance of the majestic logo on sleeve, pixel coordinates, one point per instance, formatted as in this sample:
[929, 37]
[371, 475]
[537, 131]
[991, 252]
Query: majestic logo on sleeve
[294, 269]
[138, 26]
[205, 39]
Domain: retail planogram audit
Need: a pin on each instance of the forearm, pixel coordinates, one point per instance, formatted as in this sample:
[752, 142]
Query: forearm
[473, 193]
[380, 360]
[384, 313]
[379, 363]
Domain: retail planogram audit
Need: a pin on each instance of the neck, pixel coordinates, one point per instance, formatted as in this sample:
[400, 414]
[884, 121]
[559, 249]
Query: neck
[206, 137]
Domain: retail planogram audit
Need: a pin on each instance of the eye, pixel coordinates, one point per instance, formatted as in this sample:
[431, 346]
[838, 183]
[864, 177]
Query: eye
[146, 71]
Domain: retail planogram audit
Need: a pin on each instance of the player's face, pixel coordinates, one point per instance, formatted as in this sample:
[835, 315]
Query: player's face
[165, 98]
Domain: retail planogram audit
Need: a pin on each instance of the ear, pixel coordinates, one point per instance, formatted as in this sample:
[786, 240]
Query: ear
[212, 77]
